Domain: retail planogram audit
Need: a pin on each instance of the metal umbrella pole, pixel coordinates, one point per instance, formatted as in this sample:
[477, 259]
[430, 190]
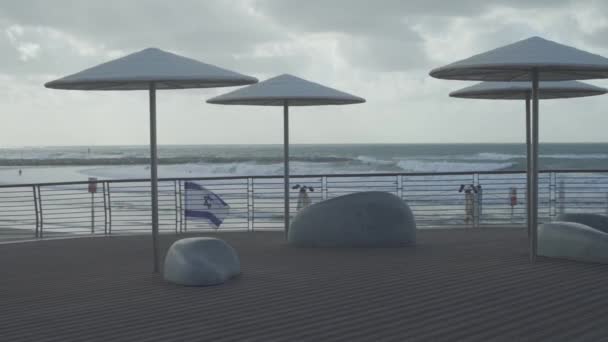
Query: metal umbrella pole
[286, 164]
[533, 216]
[528, 163]
[154, 176]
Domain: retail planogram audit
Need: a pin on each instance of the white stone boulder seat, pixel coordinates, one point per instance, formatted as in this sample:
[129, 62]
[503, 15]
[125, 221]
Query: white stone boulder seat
[595, 221]
[201, 261]
[363, 219]
[581, 237]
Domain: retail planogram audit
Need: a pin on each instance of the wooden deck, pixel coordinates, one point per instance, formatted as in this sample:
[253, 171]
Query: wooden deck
[469, 285]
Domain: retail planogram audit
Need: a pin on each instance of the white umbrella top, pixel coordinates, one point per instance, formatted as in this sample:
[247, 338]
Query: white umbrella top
[286, 90]
[513, 62]
[136, 71]
[522, 90]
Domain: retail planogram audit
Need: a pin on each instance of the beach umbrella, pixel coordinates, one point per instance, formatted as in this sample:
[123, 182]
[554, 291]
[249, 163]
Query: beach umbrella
[286, 91]
[534, 59]
[523, 91]
[151, 69]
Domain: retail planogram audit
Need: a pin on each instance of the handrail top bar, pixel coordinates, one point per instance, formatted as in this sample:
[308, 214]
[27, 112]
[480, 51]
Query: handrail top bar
[137, 180]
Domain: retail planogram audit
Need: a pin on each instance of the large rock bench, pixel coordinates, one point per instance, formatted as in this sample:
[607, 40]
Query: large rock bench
[200, 261]
[363, 219]
[581, 237]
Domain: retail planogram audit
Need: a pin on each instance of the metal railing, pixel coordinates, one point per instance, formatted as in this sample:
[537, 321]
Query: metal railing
[256, 202]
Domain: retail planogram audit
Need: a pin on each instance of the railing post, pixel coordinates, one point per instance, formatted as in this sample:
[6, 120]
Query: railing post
[176, 206]
[476, 200]
[181, 207]
[553, 193]
[248, 194]
[252, 196]
[186, 220]
[92, 213]
[324, 187]
[109, 210]
[36, 231]
[41, 231]
[562, 196]
[105, 208]
[397, 186]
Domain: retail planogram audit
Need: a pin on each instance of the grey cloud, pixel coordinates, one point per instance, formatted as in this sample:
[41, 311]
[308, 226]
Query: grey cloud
[380, 36]
[340, 43]
[213, 31]
[357, 14]
[385, 53]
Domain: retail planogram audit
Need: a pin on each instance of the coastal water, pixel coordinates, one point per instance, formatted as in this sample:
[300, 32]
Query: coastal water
[50, 164]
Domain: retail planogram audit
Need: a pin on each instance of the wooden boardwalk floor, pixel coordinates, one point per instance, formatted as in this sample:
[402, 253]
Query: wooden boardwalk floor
[455, 285]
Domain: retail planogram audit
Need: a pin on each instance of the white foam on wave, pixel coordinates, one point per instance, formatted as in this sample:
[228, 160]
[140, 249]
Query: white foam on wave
[482, 156]
[374, 161]
[576, 156]
[223, 169]
[497, 156]
[446, 166]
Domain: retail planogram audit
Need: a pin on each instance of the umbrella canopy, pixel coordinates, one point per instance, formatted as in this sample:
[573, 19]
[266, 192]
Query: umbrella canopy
[523, 90]
[137, 70]
[151, 69]
[296, 91]
[286, 90]
[534, 59]
[554, 62]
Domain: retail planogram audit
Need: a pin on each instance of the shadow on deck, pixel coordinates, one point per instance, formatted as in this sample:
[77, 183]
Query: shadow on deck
[473, 285]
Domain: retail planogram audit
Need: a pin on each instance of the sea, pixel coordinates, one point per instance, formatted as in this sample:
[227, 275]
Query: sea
[77, 163]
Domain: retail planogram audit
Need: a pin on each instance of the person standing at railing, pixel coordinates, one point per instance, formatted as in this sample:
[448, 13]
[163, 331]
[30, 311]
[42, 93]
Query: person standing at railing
[303, 199]
[513, 201]
[469, 202]
[478, 204]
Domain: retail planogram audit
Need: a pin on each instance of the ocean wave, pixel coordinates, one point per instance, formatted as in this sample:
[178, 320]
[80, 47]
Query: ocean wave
[67, 161]
[576, 156]
[497, 156]
[374, 161]
[228, 169]
[448, 166]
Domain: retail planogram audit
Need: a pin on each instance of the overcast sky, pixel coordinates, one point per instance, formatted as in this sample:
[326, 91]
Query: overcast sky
[380, 50]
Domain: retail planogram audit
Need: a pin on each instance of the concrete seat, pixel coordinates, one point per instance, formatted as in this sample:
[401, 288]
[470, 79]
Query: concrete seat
[572, 240]
[200, 261]
[364, 219]
[599, 222]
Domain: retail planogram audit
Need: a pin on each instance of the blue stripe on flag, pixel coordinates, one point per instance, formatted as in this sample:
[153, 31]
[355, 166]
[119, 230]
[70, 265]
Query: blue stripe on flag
[192, 186]
[204, 214]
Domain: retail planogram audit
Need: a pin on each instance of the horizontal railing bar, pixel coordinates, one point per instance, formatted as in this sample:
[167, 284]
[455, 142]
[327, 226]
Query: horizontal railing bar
[328, 176]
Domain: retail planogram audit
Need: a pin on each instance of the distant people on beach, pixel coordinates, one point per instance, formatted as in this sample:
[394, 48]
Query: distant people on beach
[20, 172]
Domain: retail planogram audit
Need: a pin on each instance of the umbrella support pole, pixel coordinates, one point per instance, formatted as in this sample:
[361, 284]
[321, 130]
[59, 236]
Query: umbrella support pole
[286, 165]
[533, 215]
[528, 162]
[154, 177]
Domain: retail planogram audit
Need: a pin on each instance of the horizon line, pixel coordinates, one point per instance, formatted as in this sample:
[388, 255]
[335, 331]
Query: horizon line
[302, 144]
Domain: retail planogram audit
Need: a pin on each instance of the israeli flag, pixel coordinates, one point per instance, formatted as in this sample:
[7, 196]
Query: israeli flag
[202, 204]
